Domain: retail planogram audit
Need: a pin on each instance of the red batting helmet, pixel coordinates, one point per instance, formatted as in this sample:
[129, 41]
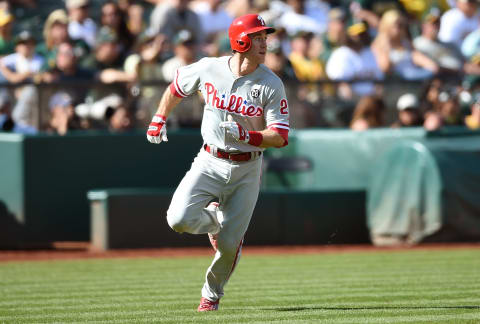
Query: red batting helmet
[242, 27]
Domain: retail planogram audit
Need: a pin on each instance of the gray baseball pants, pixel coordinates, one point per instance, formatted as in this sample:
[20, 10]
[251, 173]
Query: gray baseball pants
[236, 185]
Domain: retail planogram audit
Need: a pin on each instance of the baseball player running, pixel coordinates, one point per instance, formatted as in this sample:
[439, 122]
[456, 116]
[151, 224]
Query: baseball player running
[246, 111]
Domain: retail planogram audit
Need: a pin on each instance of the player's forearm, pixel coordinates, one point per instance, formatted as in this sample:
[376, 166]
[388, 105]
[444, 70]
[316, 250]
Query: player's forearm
[167, 103]
[271, 138]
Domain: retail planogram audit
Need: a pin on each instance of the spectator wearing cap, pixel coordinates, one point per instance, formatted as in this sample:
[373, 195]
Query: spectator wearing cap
[107, 62]
[472, 121]
[185, 53]
[67, 73]
[7, 44]
[114, 18]
[369, 113]
[24, 63]
[394, 52]
[306, 68]
[22, 66]
[169, 17]
[276, 61]
[354, 61]
[459, 21]
[62, 114]
[445, 55]
[146, 51]
[305, 16]
[150, 52]
[108, 52]
[336, 33]
[55, 32]
[409, 114]
[81, 26]
[145, 63]
[307, 65]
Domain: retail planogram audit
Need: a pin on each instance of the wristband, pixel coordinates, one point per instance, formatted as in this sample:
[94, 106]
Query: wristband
[159, 118]
[256, 138]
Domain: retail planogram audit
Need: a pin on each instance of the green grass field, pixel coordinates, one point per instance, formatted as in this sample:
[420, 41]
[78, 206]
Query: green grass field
[415, 286]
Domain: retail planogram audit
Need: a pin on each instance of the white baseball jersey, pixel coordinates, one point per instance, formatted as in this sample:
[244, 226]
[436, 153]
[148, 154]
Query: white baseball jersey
[256, 101]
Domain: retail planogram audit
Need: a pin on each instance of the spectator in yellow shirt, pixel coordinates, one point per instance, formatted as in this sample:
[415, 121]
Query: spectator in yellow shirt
[306, 65]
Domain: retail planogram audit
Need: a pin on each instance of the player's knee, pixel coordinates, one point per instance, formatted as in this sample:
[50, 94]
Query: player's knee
[176, 223]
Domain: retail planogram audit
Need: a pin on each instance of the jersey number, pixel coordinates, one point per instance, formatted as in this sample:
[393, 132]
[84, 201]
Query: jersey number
[284, 107]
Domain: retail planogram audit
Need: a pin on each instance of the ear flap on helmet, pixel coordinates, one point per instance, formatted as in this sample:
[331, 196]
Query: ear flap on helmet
[243, 43]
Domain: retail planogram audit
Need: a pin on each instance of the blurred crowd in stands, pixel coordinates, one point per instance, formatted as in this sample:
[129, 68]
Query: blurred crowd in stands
[92, 64]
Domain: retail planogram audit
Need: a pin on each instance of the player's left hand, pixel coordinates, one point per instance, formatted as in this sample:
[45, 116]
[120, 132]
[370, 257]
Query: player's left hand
[235, 130]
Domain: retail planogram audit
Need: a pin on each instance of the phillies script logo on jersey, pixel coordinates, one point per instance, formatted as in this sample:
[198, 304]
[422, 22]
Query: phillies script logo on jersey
[234, 103]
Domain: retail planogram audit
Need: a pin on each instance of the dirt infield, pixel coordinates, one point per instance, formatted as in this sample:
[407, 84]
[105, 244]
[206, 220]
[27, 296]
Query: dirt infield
[66, 251]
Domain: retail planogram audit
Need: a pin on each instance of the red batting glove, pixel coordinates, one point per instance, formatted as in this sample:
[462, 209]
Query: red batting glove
[157, 130]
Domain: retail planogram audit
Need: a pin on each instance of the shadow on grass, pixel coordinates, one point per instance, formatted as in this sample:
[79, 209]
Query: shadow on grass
[297, 309]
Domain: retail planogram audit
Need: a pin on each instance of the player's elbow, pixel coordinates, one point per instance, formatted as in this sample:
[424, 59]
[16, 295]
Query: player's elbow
[275, 137]
[284, 143]
[281, 138]
[280, 141]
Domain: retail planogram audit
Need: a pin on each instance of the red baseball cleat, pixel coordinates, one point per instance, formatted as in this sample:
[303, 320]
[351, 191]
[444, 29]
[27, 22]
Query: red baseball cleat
[207, 305]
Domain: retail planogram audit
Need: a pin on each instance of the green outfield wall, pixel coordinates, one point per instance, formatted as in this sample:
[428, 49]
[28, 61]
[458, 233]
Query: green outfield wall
[136, 218]
[44, 179]
[342, 158]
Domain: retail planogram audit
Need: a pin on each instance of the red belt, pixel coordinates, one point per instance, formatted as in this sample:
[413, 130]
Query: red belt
[237, 157]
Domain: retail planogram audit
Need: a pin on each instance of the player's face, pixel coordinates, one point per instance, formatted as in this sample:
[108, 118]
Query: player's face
[259, 47]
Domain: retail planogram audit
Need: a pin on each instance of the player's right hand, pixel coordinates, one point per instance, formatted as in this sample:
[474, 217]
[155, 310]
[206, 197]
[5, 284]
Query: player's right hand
[157, 130]
[235, 130]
